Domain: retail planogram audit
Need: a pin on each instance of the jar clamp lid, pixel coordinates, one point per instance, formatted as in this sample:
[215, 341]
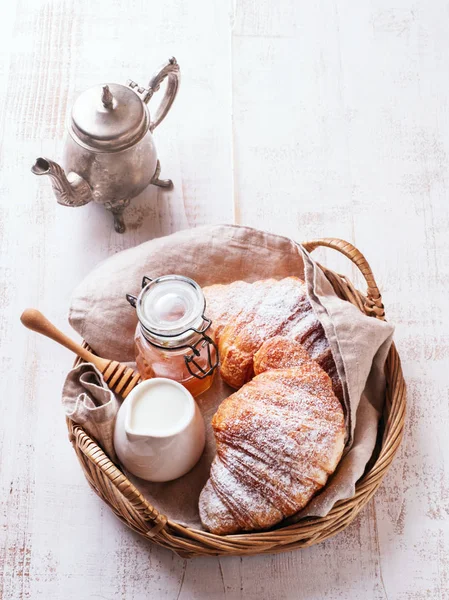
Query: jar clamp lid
[171, 312]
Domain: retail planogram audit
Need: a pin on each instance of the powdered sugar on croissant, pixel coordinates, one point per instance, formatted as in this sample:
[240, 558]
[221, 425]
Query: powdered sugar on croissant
[244, 315]
[278, 439]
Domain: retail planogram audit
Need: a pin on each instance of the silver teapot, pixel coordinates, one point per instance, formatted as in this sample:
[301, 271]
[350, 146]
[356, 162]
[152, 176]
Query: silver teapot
[109, 154]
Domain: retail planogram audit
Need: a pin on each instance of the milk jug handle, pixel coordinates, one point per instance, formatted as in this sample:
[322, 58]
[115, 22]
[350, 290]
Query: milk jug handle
[170, 70]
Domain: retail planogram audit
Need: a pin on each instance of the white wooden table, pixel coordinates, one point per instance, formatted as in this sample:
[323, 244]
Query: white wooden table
[308, 119]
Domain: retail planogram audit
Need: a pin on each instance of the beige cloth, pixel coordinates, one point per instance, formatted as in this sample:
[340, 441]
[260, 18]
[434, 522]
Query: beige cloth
[88, 401]
[221, 254]
[360, 345]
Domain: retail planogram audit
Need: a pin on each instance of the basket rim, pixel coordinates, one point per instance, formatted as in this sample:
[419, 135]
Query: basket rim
[113, 487]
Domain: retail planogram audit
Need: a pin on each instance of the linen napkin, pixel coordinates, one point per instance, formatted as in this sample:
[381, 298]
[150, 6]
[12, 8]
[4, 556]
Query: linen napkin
[88, 401]
[221, 254]
[360, 345]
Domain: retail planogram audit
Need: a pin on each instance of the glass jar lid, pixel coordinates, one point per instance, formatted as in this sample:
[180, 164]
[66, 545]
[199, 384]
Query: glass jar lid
[171, 306]
[108, 117]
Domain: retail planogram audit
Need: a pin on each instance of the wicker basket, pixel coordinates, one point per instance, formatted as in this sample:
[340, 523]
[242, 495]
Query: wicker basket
[134, 510]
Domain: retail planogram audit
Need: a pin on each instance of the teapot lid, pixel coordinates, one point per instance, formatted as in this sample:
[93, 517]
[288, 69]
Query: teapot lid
[108, 117]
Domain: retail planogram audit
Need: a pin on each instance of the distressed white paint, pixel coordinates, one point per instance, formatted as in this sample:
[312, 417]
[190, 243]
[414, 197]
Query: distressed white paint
[307, 119]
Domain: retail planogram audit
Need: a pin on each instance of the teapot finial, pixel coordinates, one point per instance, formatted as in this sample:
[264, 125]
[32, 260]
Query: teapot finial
[107, 97]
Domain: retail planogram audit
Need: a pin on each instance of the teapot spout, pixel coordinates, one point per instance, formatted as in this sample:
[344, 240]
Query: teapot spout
[41, 167]
[70, 190]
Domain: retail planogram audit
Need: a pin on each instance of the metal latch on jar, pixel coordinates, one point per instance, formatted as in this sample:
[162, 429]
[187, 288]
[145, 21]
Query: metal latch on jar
[133, 299]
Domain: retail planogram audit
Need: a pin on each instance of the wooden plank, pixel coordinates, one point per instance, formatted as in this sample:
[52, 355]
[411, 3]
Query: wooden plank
[58, 539]
[341, 130]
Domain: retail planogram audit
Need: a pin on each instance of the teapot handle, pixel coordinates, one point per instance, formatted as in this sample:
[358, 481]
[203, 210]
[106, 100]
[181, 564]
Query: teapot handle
[170, 70]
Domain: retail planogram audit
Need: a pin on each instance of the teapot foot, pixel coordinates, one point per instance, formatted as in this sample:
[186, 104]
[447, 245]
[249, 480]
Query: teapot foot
[119, 223]
[117, 209]
[164, 183]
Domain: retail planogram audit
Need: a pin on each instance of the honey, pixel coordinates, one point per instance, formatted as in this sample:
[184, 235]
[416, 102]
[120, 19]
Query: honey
[171, 338]
[155, 362]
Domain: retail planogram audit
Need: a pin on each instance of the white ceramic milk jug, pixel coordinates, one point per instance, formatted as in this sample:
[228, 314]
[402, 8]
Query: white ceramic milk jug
[159, 433]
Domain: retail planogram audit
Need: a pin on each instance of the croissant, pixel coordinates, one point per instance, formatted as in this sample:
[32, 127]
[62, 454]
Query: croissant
[244, 315]
[278, 439]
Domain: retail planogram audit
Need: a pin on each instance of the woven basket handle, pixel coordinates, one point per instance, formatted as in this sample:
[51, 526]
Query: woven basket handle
[373, 300]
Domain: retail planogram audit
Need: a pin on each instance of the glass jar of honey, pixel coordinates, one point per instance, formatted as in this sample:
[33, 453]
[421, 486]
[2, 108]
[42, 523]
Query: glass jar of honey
[171, 339]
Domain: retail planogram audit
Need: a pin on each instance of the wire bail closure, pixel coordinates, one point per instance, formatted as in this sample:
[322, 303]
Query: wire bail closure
[189, 359]
[133, 299]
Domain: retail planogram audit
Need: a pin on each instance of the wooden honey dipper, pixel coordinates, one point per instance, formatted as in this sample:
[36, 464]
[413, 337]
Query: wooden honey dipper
[119, 378]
